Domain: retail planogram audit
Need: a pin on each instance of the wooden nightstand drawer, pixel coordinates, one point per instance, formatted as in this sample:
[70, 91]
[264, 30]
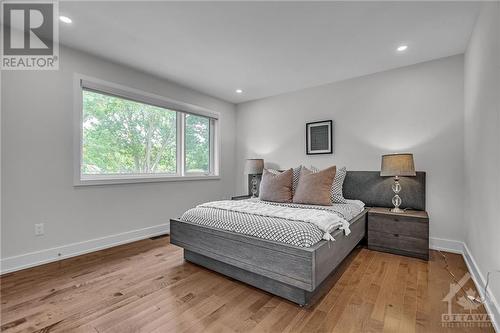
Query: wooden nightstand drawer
[396, 241]
[405, 233]
[393, 224]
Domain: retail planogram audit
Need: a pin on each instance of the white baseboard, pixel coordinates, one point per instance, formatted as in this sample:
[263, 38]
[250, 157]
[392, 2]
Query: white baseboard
[492, 306]
[447, 245]
[15, 263]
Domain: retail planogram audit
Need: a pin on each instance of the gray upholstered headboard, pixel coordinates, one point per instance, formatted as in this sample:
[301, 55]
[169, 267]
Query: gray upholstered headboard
[375, 191]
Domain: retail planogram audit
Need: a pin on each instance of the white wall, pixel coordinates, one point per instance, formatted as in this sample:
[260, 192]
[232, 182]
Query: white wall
[416, 109]
[37, 162]
[482, 144]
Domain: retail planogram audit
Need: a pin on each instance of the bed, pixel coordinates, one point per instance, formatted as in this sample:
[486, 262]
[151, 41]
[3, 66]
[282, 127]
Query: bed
[295, 271]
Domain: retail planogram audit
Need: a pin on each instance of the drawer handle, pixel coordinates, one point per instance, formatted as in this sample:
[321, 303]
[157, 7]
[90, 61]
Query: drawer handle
[396, 219]
[396, 235]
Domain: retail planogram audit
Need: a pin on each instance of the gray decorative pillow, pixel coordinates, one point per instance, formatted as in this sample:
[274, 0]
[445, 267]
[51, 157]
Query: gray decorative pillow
[337, 195]
[296, 176]
[276, 187]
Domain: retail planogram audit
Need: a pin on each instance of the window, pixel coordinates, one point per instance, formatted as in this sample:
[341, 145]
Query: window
[121, 136]
[130, 136]
[197, 142]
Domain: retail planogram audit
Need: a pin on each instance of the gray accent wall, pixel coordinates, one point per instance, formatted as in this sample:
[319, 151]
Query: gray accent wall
[417, 109]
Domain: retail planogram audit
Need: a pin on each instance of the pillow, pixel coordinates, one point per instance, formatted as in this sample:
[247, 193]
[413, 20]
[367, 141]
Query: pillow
[314, 188]
[338, 182]
[337, 195]
[276, 187]
[296, 176]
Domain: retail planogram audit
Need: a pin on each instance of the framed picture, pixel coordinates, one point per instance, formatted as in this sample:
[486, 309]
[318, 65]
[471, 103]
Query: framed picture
[319, 138]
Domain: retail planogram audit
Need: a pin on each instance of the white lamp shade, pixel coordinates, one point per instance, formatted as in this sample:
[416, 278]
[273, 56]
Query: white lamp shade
[254, 166]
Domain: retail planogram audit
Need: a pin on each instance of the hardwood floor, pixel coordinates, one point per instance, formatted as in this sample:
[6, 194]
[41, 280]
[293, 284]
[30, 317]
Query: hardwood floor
[147, 287]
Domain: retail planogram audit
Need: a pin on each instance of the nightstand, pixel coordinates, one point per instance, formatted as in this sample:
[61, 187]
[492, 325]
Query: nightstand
[399, 233]
[241, 197]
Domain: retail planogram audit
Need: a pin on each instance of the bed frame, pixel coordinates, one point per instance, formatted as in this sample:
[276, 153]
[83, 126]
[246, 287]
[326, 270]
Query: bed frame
[298, 274]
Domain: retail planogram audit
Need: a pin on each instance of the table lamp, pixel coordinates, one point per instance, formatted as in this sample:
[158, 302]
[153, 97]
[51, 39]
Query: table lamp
[254, 167]
[397, 165]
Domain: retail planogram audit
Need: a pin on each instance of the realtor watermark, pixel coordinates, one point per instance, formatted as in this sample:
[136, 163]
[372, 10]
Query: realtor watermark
[30, 35]
[468, 303]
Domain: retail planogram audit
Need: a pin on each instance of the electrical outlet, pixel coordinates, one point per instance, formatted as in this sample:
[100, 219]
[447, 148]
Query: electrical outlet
[39, 229]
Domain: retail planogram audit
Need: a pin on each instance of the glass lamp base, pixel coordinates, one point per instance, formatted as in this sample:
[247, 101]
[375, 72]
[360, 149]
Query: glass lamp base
[254, 186]
[396, 200]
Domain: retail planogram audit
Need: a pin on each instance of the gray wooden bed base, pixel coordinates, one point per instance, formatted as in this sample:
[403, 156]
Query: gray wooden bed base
[292, 272]
[295, 273]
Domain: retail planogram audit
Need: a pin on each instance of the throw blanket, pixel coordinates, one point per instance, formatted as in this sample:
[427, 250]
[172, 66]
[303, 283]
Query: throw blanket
[326, 221]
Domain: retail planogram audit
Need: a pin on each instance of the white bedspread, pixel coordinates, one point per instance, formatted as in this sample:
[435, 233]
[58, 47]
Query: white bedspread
[326, 221]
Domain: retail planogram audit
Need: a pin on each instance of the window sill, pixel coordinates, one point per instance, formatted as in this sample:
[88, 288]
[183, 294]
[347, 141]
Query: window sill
[139, 180]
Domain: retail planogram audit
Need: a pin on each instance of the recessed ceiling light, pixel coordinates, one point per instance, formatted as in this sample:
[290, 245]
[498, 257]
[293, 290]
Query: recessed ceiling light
[65, 19]
[239, 91]
[402, 48]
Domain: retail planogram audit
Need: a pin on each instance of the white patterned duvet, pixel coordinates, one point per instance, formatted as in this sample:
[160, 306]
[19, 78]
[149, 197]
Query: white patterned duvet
[277, 229]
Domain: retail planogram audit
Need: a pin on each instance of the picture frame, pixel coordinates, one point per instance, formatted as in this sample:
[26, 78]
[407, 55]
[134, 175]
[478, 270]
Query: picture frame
[319, 137]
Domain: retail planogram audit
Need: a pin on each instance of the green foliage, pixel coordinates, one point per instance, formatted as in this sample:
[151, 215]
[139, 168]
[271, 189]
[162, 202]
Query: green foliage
[122, 136]
[197, 138]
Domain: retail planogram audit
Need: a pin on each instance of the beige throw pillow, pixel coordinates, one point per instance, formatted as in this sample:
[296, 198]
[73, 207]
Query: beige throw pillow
[276, 187]
[314, 188]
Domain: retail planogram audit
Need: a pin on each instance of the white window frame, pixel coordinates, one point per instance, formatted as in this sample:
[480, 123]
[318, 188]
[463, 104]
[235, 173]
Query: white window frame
[82, 82]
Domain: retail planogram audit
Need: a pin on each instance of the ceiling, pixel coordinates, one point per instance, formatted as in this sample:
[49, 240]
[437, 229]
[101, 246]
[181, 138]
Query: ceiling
[266, 48]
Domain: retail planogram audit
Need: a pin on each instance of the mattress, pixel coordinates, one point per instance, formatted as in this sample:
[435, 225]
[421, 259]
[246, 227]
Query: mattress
[297, 233]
